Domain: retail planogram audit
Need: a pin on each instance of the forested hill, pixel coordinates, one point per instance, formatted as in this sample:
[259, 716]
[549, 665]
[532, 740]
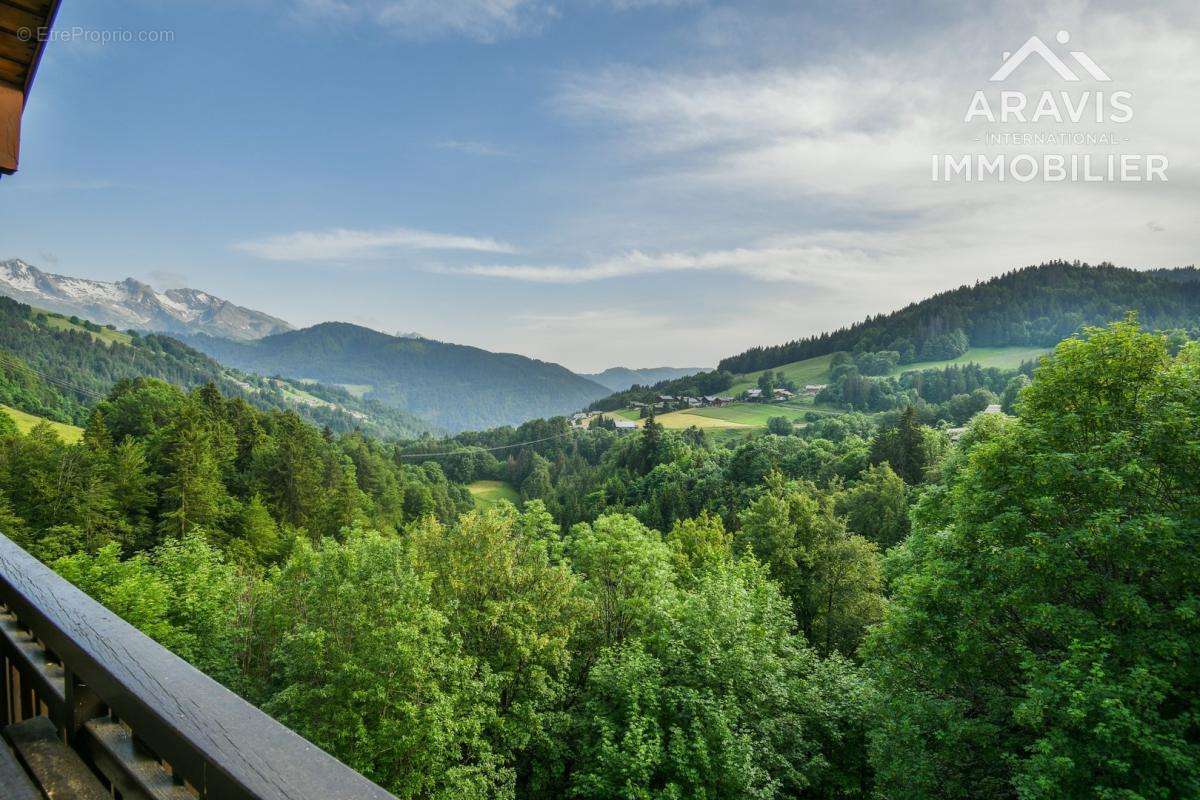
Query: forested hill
[1032, 306]
[618, 379]
[453, 386]
[57, 367]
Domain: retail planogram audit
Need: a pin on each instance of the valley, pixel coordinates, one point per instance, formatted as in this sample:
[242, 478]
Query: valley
[759, 547]
[57, 367]
[599, 400]
[454, 387]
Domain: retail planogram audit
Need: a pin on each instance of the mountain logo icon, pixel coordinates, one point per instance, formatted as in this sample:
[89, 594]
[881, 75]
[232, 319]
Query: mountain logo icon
[1034, 45]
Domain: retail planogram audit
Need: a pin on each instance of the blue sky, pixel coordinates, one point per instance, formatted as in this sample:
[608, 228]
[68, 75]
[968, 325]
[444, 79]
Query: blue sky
[597, 182]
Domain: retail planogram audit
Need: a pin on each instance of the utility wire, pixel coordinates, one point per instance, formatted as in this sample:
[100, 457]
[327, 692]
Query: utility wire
[16, 363]
[483, 449]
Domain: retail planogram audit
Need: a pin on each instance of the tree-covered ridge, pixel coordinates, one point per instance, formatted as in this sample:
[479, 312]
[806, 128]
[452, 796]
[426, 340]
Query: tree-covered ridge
[1031, 306]
[618, 379]
[453, 386]
[59, 371]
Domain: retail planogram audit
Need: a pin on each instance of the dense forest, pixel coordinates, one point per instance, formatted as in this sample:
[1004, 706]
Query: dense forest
[862, 608]
[1032, 306]
[56, 367]
[453, 386]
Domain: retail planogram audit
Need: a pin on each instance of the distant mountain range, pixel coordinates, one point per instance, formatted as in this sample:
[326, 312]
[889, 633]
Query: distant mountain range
[452, 386]
[130, 304]
[618, 379]
[54, 368]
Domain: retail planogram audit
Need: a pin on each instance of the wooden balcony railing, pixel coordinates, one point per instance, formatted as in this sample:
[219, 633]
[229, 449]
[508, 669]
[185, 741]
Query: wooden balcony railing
[146, 723]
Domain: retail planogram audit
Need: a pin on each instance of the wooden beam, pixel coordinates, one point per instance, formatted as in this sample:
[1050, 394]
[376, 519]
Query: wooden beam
[47, 23]
[12, 103]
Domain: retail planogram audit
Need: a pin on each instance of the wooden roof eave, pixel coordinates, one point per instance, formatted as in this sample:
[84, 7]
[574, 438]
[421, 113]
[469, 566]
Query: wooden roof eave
[19, 20]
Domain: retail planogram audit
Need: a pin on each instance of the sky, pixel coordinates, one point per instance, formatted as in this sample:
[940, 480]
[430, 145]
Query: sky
[598, 182]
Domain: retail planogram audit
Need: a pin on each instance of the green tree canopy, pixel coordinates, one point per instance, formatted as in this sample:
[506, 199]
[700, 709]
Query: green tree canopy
[1043, 641]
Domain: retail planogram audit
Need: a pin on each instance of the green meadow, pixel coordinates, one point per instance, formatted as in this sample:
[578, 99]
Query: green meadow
[816, 370]
[26, 422]
[743, 417]
[489, 493]
[59, 322]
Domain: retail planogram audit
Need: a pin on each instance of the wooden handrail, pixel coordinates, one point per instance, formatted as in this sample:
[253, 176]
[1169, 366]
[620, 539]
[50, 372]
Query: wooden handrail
[87, 669]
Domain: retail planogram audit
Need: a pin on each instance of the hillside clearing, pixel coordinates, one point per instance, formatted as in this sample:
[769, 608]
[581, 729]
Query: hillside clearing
[678, 420]
[1001, 357]
[810, 370]
[27, 422]
[813, 371]
[816, 370]
[489, 493]
[754, 414]
[59, 322]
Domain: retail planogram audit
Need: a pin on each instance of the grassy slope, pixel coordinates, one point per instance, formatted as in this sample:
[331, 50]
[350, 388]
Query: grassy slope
[1002, 357]
[488, 493]
[755, 414]
[743, 416]
[358, 390]
[816, 370]
[61, 323]
[740, 416]
[688, 419]
[811, 370]
[25, 423]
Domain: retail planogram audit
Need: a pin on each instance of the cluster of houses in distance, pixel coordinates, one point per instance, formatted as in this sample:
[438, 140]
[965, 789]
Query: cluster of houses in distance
[667, 402]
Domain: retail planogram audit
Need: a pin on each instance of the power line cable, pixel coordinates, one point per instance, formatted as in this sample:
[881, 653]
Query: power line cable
[484, 449]
[16, 363]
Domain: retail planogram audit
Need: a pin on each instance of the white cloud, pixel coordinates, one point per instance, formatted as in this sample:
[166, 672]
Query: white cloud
[167, 279]
[808, 262]
[481, 20]
[793, 174]
[591, 321]
[342, 244]
[843, 139]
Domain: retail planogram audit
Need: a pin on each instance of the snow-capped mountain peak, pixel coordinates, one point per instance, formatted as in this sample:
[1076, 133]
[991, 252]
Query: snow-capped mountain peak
[133, 304]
